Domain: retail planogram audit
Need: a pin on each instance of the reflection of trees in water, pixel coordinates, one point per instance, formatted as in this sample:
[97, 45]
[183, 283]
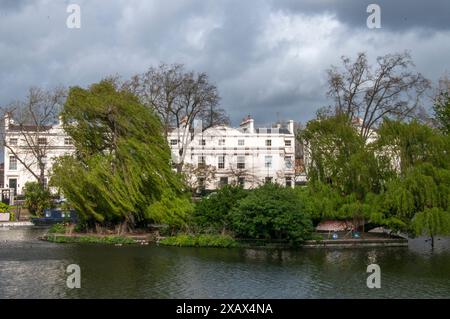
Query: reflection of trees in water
[122, 272]
[20, 235]
[422, 246]
[269, 255]
[37, 269]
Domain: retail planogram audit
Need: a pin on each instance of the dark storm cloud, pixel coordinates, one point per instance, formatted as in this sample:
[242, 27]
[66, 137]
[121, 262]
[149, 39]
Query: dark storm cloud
[267, 57]
[11, 5]
[396, 15]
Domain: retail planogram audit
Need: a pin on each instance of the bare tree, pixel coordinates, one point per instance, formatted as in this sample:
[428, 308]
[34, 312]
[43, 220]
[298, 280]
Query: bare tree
[441, 102]
[238, 174]
[25, 134]
[443, 86]
[158, 89]
[198, 176]
[180, 98]
[390, 89]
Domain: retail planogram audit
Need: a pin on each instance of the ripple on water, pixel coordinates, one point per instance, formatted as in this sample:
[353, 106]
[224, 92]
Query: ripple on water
[31, 268]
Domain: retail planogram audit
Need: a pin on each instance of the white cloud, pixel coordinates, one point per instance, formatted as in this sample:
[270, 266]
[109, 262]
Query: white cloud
[265, 60]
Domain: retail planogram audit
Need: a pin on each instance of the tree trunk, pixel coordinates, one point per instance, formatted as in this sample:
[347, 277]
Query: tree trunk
[179, 168]
[42, 176]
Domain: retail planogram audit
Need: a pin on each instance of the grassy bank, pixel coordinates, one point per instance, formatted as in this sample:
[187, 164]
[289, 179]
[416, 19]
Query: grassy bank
[184, 240]
[89, 239]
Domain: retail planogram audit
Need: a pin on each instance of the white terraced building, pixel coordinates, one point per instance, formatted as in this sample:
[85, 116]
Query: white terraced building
[246, 155]
[52, 142]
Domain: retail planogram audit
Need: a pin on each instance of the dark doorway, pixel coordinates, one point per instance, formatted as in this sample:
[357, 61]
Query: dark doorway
[13, 184]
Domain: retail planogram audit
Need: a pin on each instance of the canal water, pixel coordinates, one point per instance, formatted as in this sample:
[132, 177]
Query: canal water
[30, 268]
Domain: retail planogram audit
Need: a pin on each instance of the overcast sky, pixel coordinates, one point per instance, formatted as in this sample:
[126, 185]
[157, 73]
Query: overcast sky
[267, 57]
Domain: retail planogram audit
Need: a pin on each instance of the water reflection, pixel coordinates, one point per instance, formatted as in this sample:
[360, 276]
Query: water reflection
[32, 268]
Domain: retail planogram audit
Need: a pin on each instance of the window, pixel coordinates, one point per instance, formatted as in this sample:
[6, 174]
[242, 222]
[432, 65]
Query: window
[287, 143]
[173, 142]
[241, 162]
[288, 162]
[201, 185]
[222, 142]
[241, 181]
[201, 161]
[67, 141]
[13, 141]
[288, 181]
[268, 180]
[223, 181]
[12, 163]
[203, 142]
[221, 162]
[268, 142]
[42, 141]
[268, 161]
[241, 142]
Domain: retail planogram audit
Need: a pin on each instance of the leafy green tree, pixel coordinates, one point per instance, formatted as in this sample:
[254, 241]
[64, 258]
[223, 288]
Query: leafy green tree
[340, 156]
[37, 198]
[122, 162]
[423, 187]
[432, 222]
[172, 209]
[419, 154]
[320, 200]
[212, 213]
[412, 144]
[272, 212]
[442, 112]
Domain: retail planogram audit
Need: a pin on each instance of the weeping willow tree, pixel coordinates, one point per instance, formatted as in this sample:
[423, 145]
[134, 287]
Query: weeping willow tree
[340, 157]
[413, 144]
[432, 222]
[423, 187]
[120, 172]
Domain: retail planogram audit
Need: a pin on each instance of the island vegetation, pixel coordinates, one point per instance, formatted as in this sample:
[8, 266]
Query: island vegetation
[372, 157]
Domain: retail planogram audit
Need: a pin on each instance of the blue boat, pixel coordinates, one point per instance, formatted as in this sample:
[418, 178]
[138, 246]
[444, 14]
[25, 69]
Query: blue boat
[55, 216]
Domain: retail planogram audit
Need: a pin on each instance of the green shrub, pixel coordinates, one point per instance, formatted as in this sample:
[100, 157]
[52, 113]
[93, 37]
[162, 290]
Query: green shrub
[37, 198]
[184, 240]
[110, 240]
[57, 229]
[4, 208]
[212, 213]
[272, 212]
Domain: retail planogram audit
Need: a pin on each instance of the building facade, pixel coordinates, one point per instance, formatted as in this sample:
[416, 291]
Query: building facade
[214, 157]
[246, 155]
[23, 144]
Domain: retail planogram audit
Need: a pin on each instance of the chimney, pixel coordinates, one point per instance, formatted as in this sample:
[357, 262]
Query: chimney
[249, 124]
[291, 126]
[8, 120]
